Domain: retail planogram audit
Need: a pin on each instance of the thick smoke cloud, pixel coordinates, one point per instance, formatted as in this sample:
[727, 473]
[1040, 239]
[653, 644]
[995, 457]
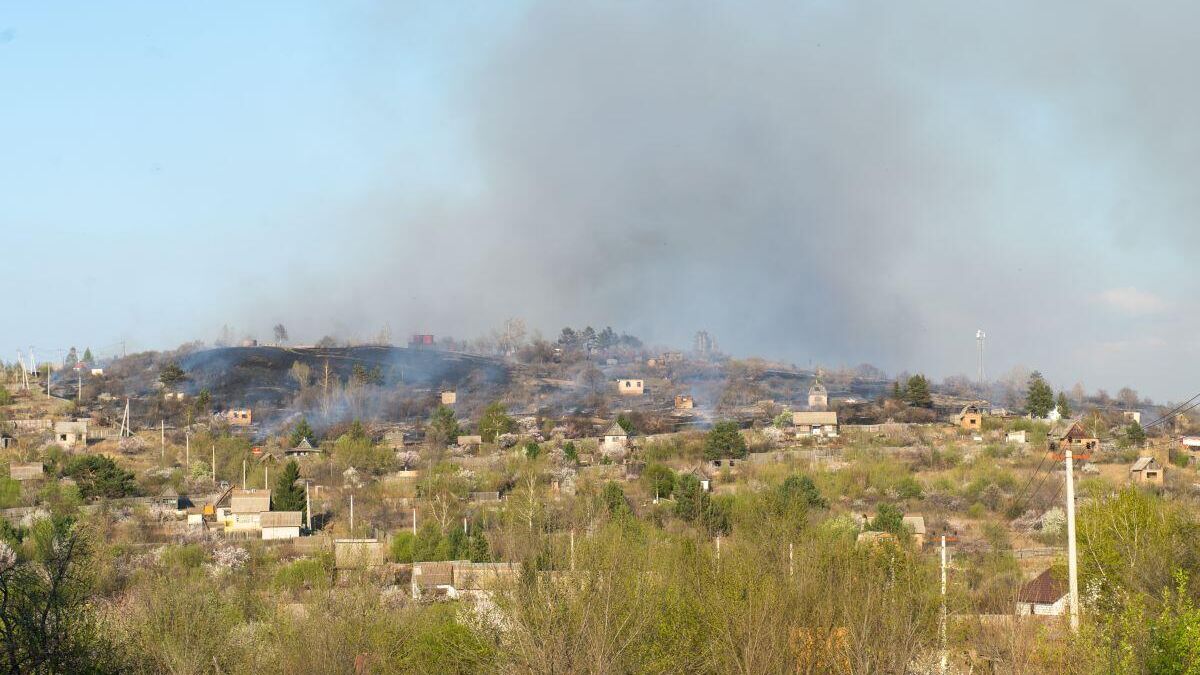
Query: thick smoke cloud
[825, 182]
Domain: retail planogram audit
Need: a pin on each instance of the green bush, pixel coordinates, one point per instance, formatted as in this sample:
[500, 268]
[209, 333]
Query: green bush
[305, 574]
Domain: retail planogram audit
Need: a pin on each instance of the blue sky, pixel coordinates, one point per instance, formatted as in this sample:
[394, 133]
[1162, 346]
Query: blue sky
[827, 183]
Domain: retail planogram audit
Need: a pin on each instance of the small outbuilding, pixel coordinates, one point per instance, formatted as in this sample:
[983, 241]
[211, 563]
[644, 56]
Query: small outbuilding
[615, 439]
[631, 387]
[971, 417]
[1146, 470]
[1044, 595]
[280, 524]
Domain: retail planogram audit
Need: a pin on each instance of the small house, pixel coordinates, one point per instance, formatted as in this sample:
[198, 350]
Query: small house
[239, 417]
[71, 434]
[684, 402]
[470, 441]
[1146, 470]
[820, 424]
[303, 449]
[730, 464]
[280, 524]
[449, 397]
[23, 471]
[1132, 416]
[971, 417]
[614, 440]
[1075, 439]
[631, 387]
[246, 508]
[1017, 437]
[1044, 595]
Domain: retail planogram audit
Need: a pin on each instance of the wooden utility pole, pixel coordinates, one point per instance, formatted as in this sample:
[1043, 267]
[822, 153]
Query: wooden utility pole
[214, 464]
[308, 504]
[791, 559]
[162, 439]
[243, 474]
[1072, 560]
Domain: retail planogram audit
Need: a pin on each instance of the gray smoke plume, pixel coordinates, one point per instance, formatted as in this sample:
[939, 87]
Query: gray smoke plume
[825, 182]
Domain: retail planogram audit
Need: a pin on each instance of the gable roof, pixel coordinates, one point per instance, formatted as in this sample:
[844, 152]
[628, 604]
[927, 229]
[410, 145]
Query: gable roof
[970, 409]
[1044, 589]
[917, 523]
[616, 430]
[802, 418]
[303, 444]
[280, 519]
[1073, 430]
[1143, 463]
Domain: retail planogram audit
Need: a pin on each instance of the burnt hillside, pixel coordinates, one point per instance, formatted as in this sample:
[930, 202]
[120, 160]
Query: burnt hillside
[251, 375]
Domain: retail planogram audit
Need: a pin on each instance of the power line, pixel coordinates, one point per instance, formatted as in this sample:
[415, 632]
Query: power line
[1031, 477]
[1176, 411]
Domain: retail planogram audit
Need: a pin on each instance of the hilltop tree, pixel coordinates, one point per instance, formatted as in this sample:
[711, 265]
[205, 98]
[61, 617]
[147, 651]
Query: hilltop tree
[281, 334]
[916, 393]
[171, 374]
[288, 495]
[1064, 407]
[87, 356]
[301, 431]
[568, 339]
[1039, 400]
[494, 422]
[71, 359]
[724, 440]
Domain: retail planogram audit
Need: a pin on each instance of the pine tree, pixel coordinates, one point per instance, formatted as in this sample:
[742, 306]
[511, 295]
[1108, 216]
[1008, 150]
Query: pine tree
[301, 431]
[917, 392]
[1040, 399]
[1064, 407]
[287, 495]
[1136, 434]
[87, 356]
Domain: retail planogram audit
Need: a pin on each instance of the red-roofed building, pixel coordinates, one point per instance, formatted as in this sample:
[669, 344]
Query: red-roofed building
[1044, 595]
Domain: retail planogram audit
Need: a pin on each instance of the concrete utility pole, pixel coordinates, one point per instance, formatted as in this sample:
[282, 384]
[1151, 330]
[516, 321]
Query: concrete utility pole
[791, 559]
[265, 482]
[980, 336]
[308, 504]
[572, 550]
[351, 516]
[187, 453]
[243, 474]
[414, 521]
[162, 439]
[214, 464]
[1072, 560]
[942, 621]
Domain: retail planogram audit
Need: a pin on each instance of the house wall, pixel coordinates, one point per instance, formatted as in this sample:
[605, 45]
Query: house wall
[971, 421]
[280, 532]
[630, 387]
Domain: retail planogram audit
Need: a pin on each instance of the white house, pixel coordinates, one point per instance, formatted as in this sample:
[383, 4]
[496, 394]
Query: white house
[614, 439]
